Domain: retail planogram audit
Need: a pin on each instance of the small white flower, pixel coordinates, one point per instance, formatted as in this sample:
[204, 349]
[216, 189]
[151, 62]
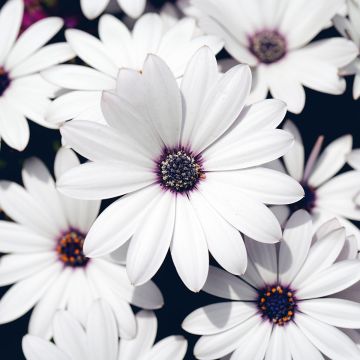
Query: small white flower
[327, 195]
[98, 340]
[272, 37]
[186, 158]
[350, 29]
[45, 258]
[93, 8]
[284, 306]
[119, 48]
[23, 92]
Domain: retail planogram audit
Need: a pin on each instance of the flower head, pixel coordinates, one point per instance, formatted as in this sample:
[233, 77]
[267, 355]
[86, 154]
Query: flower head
[188, 162]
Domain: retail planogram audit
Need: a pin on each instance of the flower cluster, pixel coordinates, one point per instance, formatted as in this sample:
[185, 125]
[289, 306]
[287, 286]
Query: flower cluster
[173, 118]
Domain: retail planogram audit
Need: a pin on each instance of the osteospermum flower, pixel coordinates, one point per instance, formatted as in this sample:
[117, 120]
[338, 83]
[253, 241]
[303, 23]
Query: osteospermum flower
[284, 306]
[23, 93]
[350, 29]
[45, 258]
[272, 37]
[92, 9]
[327, 195]
[186, 158]
[99, 339]
[119, 48]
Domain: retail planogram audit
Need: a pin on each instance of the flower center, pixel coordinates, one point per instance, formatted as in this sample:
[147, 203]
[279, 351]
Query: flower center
[69, 249]
[268, 46]
[307, 202]
[179, 170]
[4, 80]
[277, 304]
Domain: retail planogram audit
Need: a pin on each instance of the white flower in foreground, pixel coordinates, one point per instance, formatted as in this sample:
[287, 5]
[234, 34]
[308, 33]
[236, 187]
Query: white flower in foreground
[45, 258]
[284, 306]
[99, 339]
[93, 8]
[23, 92]
[327, 195]
[119, 48]
[186, 158]
[350, 29]
[272, 37]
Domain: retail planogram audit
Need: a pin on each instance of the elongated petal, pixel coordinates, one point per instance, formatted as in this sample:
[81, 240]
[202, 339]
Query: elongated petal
[173, 347]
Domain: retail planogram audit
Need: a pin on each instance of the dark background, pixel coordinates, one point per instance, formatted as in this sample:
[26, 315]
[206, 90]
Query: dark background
[324, 114]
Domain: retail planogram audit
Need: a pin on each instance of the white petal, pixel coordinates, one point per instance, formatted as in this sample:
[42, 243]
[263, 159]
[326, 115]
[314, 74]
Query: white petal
[32, 39]
[14, 129]
[133, 8]
[354, 159]
[172, 347]
[336, 312]
[42, 316]
[69, 335]
[95, 181]
[78, 77]
[279, 188]
[222, 105]
[145, 337]
[331, 160]
[222, 284]
[356, 87]
[91, 50]
[118, 222]
[10, 21]
[336, 278]
[14, 304]
[35, 348]
[19, 239]
[151, 241]
[321, 255]
[101, 332]
[19, 205]
[278, 344]
[294, 158]
[247, 214]
[253, 150]
[163, 100]
[329, 340]
[16, 267]
[295, 245]
[192, 266]
[216, 318]
[224, 241]
[93, 8]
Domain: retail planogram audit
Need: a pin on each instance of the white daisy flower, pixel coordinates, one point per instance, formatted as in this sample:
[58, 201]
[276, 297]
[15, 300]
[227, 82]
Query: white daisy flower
[119, 48]
[283, 307]
[23, 92]
[186, 158]
[350, 29]
[45, 258]
[93, 8]
[98, 340]
[272, 37]
[327, 195]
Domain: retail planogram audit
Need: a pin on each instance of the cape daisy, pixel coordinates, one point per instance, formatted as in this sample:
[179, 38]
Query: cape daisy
[272, 37]
[99, 339]
[187, 159]
[23, 92]
[119, 48]
[45, 258]
[327, 195]
[284, 306]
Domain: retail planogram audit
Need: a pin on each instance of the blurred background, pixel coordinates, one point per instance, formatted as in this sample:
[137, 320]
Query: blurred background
[328, 115]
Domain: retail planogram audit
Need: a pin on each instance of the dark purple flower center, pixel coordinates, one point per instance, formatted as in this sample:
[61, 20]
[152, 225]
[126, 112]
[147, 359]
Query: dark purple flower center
[4, 81]
[179, 170]
[277, 304]
[307, 202]
[268, 46]
[70, 249]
